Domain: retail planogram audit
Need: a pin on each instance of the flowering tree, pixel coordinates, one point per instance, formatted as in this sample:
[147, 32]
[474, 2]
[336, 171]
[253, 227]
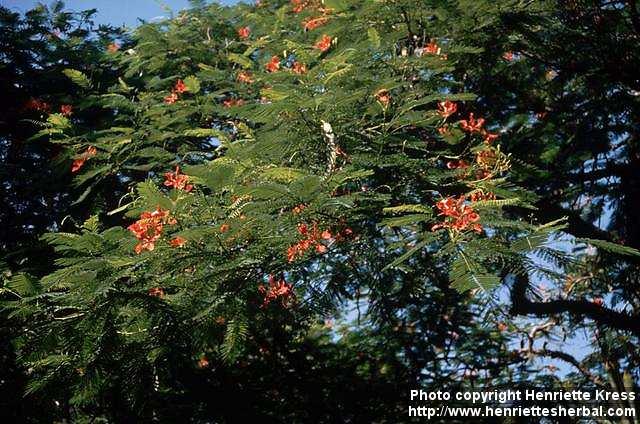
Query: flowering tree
[250, 173]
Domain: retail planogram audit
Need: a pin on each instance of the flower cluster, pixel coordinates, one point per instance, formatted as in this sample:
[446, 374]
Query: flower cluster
[312, 238]
[472, 124]
[79, 162]
[177, 180]
[299, 68]
[313, 23]
[277, 290]
[179, 88]
[37, 105]
[459, 216]
[148, 228]
[476, 125]
[299, 5]
[244, 33]
[324, 43]
[66, 110]
[245, 77]
[178, 241]
[447, 108]
[273, 65]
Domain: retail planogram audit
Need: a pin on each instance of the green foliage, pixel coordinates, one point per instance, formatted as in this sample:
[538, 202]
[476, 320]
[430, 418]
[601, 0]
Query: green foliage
[332, 170]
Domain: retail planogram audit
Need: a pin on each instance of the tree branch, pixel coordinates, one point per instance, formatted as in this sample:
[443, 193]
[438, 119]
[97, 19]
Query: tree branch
[522, 305]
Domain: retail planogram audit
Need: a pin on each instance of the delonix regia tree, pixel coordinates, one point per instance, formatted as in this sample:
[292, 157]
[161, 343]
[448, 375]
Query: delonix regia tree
[245, 174]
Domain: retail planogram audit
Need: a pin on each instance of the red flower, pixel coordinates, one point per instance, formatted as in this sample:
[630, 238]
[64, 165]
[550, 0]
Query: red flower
[66, 110]
[299, 68]
[178, 241]
[148, 228]
[277, 290]
[432, 48]
[508, 56]
[177, 180]
[37, 105]
[324, 43]
[245, 77]
[456, 164]
[313, 23]
[180, 87]
[312, 238]
[244, 32]
[79, 162]
[299, 5]
[598, 301]
[273, 65]
[447, 108]
[489, 137]
[171, 98]
[472, 124]
[458, 215]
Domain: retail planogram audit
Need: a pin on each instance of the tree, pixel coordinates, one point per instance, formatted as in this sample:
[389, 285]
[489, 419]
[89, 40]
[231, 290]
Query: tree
[245, 173]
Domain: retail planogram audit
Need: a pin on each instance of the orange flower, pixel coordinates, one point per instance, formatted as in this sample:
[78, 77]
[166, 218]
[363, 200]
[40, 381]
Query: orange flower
[244, 32]
[313, 23]
[472, 124]
[298, 209]
[277, 290]
[299, 5]
[245, 77]
[224, 228]
[384, 97]
[66, 110]
[178, 241]
[156, 292]
[273, 65]
[458, 215]
[148, 228]
[79, 162]
[299, 68]
[171, 98]
[324, 44]
[180, 87]
[177, 180]
[489, 137]
[432, 48]
[312, 238]
[447, 108]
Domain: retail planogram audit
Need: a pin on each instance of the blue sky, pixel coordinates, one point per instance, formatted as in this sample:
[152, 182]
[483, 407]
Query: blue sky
[114, 12]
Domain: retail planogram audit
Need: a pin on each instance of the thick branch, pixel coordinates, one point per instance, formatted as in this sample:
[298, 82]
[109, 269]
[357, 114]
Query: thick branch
[522, 305]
